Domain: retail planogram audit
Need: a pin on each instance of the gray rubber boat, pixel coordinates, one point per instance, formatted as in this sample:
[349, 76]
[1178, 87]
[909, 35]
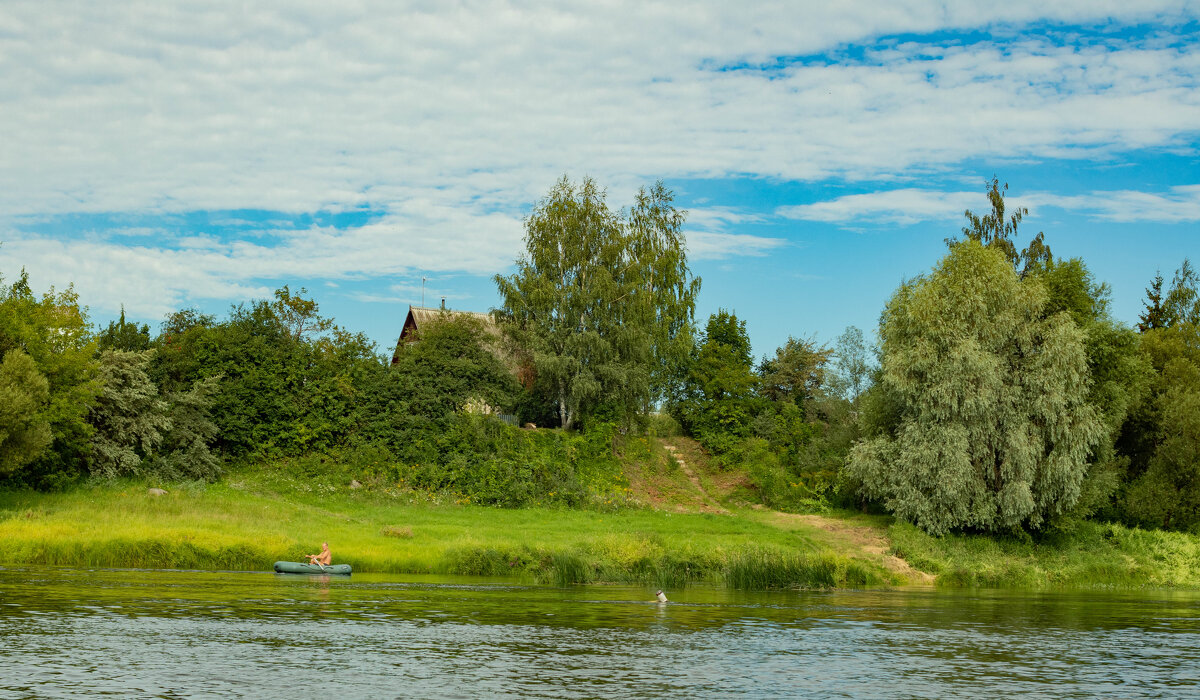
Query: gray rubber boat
[295, 567]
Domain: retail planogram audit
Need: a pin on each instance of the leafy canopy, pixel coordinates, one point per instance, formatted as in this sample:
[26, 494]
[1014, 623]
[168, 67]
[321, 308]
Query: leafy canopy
[54, 332]
[129, 416]
[994, 425]
[851, 364]
[1167, 493]
[1182, 304]
[602, 301]
[719, 391]
[24, 429]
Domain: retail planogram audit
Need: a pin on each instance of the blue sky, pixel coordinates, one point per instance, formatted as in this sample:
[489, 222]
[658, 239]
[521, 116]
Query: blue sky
[199, 154]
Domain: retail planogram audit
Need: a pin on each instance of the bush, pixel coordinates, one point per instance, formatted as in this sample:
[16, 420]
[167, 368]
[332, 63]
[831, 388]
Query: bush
[479, 459]
[663, 425]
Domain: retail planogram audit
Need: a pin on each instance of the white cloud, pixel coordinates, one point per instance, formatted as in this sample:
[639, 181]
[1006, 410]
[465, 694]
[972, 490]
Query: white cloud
[452, 119]
[150, 282]
[903, 206]
[717, 218]
[714, 245]
[182, 107]
[1180, 204]
[709, 238]
[154, 279]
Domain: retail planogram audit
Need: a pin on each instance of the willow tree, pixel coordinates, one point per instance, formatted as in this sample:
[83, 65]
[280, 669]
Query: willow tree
[129, 417]
[602, 301]
[995, 428]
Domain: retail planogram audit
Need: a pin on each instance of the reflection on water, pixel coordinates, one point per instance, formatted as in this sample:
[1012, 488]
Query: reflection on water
[67, 632]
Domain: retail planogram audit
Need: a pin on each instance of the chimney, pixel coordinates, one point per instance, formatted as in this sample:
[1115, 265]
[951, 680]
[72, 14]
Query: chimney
[443, 303]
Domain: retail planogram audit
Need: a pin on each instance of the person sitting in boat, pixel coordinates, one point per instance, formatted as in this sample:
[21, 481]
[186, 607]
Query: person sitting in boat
[324, 559]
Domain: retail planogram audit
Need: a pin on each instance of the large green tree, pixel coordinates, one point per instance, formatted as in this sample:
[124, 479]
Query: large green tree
[140, 431]
[602, 301]
[129, 416]
[186, 451]
[796, 373]
[718, 399]
[53, 330]
[1154, 316]
[24, 429]
[1164, 440]
[283, 387]
[1182, 304]
[851, 364]
[994, 427]
[1168, 494]
[1120, 373]
[1119, 370]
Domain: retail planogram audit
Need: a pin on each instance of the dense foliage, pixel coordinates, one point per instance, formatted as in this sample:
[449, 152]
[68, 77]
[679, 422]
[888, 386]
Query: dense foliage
[275, 382]
[718, 400]
[1164, 442]
[24, 394]
[53, 331]
[1003, 397]
[786, 422]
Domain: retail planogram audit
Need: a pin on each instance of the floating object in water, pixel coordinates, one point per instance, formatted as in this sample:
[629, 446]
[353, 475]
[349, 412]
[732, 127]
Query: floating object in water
[295, 567]
[662, 597]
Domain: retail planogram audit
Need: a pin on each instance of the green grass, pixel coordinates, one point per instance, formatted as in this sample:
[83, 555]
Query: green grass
[248, 522]
[1087, 554]
[257, 516]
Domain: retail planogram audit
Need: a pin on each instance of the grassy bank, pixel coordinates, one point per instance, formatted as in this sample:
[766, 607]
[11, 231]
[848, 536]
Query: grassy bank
[674, 525]
[247, 525]
[1088, 554]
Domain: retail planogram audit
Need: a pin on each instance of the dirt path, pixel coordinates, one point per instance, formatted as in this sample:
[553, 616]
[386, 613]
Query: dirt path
[868, 539]
[711, 504]
[851, 537]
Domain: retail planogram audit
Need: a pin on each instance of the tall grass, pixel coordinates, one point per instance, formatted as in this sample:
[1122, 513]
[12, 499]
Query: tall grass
[1084, 554]
[762, 568]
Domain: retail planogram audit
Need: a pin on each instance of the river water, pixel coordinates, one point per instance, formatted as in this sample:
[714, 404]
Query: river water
[73, 632]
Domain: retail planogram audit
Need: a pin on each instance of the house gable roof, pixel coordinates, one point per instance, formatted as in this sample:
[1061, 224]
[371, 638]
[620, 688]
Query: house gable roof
[419, 316]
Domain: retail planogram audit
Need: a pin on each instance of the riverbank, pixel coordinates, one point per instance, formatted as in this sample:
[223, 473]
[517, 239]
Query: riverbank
[681, 521]
[239, 525]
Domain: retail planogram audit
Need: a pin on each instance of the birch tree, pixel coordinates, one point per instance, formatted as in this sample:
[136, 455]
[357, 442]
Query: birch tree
[602, 301]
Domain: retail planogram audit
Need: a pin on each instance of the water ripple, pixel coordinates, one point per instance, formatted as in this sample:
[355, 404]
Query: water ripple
[173, 634]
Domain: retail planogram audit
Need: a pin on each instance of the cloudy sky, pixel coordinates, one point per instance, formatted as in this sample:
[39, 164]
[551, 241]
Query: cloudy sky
[163, 155]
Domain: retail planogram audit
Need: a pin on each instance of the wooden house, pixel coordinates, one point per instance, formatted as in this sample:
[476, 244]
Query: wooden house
[420, 316]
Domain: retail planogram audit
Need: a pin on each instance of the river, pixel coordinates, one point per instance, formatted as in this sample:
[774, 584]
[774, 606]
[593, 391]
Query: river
[73, 632]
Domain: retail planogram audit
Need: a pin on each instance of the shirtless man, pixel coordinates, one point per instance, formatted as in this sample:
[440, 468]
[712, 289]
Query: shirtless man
[324, 559]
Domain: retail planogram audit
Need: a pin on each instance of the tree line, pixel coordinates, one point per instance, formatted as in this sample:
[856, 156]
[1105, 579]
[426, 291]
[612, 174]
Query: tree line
[1001, 396]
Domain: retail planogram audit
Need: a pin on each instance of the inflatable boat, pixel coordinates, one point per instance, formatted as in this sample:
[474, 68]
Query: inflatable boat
[295, 567]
